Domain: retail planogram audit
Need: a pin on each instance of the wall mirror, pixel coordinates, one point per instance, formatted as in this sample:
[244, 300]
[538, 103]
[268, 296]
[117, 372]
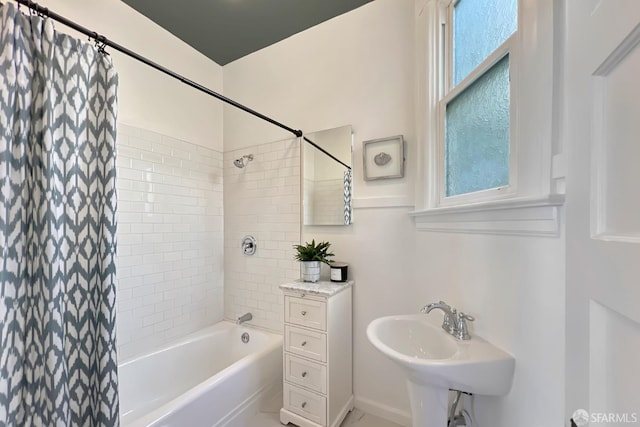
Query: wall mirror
[326, 184]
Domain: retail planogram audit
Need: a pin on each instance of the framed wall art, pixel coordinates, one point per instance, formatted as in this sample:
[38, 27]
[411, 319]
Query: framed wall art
[383, 158]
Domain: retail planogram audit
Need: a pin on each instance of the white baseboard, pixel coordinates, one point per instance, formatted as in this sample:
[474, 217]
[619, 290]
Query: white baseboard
[383, 411]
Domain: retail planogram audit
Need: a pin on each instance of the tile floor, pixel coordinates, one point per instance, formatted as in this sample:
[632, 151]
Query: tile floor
[269, 416]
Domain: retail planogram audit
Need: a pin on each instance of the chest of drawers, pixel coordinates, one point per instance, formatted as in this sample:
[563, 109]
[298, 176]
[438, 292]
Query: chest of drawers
[318, 386]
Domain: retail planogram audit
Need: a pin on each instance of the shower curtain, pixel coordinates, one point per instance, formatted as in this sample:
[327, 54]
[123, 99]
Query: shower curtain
[57, 227]
[348, 185]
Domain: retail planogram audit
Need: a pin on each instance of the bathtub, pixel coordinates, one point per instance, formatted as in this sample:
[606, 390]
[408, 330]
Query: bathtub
[210, 378]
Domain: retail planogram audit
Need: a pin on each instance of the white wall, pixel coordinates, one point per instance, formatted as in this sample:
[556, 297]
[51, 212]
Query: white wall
[355, 69]
[514, 287]
[148, 99]
[359, 69]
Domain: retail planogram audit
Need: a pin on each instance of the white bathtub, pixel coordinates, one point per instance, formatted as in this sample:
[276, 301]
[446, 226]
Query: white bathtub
[210, 378]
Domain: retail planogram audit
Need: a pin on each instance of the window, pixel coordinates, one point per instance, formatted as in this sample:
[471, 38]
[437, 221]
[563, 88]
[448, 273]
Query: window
[490, 155]
[475, 110]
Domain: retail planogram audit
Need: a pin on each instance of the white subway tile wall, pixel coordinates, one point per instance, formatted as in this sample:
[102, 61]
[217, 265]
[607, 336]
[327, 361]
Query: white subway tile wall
[170, 239]
[261, 200]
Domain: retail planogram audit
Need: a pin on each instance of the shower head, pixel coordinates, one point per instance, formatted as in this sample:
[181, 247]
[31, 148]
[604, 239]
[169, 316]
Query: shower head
[240, 163]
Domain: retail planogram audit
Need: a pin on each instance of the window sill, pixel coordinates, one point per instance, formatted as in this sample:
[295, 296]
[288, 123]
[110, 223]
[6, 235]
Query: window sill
[519, 217]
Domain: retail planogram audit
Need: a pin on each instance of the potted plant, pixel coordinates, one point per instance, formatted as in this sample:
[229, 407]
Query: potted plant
[311, 255]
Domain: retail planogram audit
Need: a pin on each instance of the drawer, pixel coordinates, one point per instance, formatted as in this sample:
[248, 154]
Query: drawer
[305, 373]
[306, 343]
[305, 403]
[305, 312]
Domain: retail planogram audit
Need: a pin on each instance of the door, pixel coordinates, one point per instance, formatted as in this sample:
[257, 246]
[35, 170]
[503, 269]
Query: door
[601, 94]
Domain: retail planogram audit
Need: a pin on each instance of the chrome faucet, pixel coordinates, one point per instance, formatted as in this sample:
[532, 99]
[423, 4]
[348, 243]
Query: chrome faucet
[449, 320]
[453, 322]
[244, 318]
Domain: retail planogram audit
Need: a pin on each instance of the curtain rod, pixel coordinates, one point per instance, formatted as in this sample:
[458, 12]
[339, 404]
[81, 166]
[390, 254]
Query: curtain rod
[103, 41]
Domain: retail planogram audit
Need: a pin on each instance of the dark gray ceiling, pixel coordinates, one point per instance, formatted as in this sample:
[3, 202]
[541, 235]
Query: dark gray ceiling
[225, 30]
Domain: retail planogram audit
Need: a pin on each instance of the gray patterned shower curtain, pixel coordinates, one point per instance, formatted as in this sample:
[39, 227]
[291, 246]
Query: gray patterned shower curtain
[57, 227]
[347, 185]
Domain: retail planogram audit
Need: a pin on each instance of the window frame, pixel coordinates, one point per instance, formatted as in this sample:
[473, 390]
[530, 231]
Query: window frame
[448, 93]
[533, 207]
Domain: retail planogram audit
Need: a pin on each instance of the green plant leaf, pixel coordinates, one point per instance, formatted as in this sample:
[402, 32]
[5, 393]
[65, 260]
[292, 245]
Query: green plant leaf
[313, 252]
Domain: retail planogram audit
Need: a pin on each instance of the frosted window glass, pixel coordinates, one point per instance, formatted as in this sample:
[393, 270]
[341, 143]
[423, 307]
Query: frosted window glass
[477, 134]
[479, 28]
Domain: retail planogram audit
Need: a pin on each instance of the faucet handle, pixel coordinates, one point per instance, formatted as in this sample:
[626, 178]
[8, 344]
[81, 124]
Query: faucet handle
[462, 332]
[465, 316]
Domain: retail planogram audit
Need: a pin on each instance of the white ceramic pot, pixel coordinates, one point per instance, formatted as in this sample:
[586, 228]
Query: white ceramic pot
[310, 271]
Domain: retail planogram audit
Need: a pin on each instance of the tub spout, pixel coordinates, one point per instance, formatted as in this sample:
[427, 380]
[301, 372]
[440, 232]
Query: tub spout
[244, 318]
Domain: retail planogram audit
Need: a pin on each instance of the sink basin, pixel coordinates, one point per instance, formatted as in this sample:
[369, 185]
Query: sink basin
[435, 362]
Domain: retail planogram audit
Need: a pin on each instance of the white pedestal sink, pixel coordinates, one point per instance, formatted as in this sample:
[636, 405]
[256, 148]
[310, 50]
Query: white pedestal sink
[435, 362]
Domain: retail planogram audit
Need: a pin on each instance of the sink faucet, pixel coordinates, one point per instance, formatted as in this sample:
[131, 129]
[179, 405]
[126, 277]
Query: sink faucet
[453, 322]
[244, 318]
[449, 320]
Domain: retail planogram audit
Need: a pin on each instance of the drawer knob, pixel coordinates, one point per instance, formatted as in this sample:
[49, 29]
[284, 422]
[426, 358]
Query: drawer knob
[304, 374]
[304, 404]
[303, 343]
[304, 313]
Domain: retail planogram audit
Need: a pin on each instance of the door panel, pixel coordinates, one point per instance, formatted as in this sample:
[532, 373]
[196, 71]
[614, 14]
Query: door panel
[602, 132]
[616, 152]
[615, 346]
